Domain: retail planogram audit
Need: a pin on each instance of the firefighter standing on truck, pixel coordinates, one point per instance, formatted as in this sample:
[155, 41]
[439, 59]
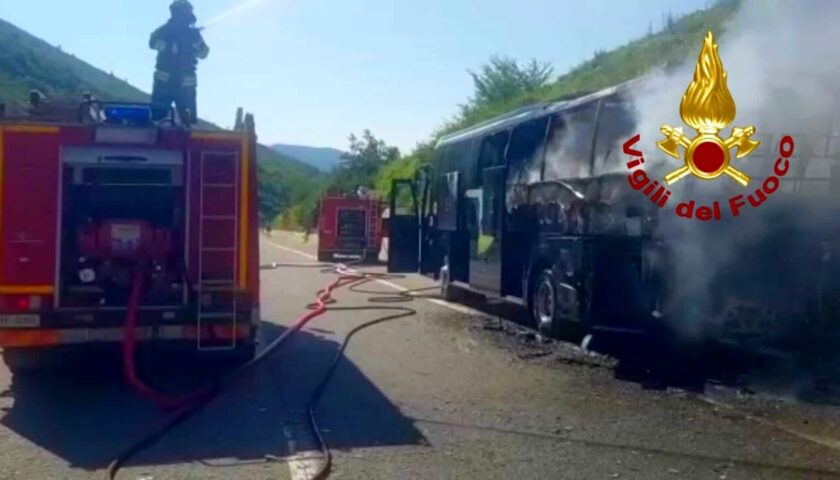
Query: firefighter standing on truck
[179, 45]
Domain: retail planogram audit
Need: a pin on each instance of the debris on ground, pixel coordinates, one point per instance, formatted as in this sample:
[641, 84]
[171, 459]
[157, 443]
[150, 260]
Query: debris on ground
[492, 324]
[536, 354]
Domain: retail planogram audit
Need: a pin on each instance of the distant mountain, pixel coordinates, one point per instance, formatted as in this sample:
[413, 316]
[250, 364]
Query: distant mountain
[322, 158]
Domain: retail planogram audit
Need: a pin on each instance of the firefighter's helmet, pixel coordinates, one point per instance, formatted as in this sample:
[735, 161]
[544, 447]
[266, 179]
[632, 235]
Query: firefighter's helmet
[182, 9]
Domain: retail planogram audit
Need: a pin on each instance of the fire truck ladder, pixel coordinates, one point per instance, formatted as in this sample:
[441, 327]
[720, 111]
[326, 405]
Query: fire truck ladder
[373, 214]
[218, 241]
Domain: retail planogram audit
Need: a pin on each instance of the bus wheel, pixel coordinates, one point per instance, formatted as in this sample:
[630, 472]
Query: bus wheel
[554, 309]
[325, 257]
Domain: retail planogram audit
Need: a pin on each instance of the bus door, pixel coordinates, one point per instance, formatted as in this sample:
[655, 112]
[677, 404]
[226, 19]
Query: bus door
[485, 219]
[430, 250]
[403, 228]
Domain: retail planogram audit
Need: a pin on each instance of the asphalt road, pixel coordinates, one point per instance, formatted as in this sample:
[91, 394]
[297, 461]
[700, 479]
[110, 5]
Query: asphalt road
[445, 393]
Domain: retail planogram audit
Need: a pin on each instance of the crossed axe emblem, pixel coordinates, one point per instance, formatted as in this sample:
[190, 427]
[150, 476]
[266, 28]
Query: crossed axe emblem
[707, 155]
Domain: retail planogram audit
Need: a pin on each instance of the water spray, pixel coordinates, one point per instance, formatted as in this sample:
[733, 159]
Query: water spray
[234, 10]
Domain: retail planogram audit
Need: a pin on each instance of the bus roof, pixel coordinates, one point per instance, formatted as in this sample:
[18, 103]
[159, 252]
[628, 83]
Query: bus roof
[529, 112]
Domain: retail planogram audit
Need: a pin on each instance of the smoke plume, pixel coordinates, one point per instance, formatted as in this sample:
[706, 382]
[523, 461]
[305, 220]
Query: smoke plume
[784, 74]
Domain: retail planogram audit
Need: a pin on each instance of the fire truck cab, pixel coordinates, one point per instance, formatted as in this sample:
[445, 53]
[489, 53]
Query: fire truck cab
[99, 196]
[350, 226]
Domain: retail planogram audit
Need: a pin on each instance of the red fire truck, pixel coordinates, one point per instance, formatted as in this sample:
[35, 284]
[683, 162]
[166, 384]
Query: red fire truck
[350, 226]
[93, 201]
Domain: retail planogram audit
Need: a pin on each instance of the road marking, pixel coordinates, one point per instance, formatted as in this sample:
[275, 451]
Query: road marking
[292, 250]
[442, 303]
[302, 466]
[305, 465]
[822, 441]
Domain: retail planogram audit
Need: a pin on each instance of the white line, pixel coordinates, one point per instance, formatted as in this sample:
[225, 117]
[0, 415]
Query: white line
[441, 303]
[822, 441]
[292, 250]
[302, 466]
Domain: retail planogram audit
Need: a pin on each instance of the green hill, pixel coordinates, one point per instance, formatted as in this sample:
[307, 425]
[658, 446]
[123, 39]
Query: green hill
[27, 62]
[677, 42]
[322, 158]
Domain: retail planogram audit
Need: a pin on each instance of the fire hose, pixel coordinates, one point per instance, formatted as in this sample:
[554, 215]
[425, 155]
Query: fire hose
[164, 402]
[188, 405]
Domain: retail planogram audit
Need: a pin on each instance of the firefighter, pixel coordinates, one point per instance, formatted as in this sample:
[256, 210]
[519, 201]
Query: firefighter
[180, 46]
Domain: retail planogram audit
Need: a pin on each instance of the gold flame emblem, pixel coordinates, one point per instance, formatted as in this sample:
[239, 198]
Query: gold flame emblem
[708, 108]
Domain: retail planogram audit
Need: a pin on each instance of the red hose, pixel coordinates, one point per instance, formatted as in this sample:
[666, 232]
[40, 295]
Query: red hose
[167, 402]
[164, 402]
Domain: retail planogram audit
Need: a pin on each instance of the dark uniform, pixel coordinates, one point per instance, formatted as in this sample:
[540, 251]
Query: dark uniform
[179, 45]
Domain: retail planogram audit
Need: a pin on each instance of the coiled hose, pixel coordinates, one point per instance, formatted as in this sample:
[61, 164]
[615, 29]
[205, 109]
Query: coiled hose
[189, 405]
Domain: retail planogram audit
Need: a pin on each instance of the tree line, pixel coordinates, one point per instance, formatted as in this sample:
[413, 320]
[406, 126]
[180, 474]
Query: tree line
[502, 84]
[371, 164]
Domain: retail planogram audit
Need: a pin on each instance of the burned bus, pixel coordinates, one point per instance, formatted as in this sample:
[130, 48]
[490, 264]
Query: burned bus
[535, 207]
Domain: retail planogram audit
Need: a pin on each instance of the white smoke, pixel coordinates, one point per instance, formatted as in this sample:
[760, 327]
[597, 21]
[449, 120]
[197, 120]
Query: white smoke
[784, 74]
[782, 70]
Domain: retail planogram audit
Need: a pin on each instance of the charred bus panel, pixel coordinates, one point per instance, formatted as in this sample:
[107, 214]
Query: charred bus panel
[535, 207]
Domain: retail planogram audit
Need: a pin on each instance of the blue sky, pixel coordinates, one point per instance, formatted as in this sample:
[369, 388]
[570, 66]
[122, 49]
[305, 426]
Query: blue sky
[313, 71]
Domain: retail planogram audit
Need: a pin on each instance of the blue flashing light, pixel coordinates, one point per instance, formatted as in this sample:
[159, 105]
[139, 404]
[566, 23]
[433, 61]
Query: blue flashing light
[127, 114]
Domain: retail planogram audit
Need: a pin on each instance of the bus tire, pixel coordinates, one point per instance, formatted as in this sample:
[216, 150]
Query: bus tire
[325, 256]
[553, 311]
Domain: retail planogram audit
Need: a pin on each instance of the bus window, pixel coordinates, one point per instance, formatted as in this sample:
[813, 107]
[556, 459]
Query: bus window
[493, 150]
[462, 158]
[617, 123]
[525, 153]
[447, 201]
[441, 158]
[570, 143]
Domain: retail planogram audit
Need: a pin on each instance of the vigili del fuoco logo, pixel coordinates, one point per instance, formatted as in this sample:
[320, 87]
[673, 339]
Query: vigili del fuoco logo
[707, 107]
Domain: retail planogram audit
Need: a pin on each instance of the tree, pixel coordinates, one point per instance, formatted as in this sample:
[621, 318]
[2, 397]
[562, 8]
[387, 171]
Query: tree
[404, 168]
[272, 198]
[360, 164]
[502, 79]
[669, 21]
